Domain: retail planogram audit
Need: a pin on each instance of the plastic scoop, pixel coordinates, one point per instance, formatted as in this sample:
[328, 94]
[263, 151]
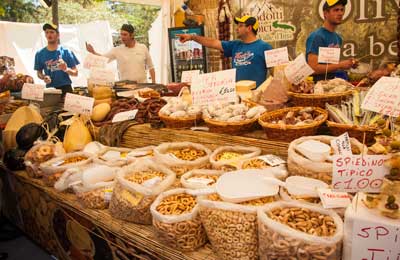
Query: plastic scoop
[314, 150]
[303, 186]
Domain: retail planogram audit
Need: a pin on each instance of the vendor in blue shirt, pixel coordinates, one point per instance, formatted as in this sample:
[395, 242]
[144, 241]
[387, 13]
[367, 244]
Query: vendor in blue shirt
[55, 64]
[247, 53]
[327, 37]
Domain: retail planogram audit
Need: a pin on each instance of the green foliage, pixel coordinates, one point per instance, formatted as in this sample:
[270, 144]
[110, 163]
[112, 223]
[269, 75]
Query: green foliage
[17, 10]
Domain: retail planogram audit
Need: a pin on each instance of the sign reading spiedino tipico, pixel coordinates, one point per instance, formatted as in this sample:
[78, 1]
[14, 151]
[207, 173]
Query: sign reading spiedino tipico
[369, 26]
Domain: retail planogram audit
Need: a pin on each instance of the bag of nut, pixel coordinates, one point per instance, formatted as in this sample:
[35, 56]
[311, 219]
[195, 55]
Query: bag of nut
[137, 186]
[200, 178]
[41, 152]
[54, 168]
[292, 230]
[232, 227]
[176, 220]
[228, 158]
[182, 157]
[300, 165]
[114, 157]
[278, 171]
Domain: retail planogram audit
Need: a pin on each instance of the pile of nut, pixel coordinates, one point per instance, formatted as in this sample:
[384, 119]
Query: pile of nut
[228, 155]
[140, 177]
[255, 163]
[50, 179]
[69, 160]
[96, 199]
[187, 154]
[301, 117]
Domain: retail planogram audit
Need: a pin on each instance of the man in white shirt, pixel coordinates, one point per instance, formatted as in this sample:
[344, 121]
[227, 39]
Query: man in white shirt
[132, 58]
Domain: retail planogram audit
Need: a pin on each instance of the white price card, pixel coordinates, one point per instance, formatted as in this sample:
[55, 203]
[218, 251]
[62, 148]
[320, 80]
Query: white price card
[101, 75]
[374, 241]
[272, 160]
[92, 60]
[353, 173]
[276, 57]
[32, 92]
[125, 116]
[214, 87]
[341, 144]
[189, 75]
[298, 70]
[328, 55]
[78, 104]
[384, 97]
[334, 199]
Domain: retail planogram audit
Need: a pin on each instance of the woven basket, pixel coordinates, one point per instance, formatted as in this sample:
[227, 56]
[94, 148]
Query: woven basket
[288, 133]
[232, 128]
[178, 122]
[318, 100]
[355, 131]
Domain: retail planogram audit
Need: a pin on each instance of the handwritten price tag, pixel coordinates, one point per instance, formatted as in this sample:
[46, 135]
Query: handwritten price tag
[354, 173]
[78, 104]
[373, 241]
[331, 199]
[214, 87]
[92, 60]
[384, 97]
[342, 145]
[32, 92]
[329, 55]
[276, 57]
[125, 116]
[101, 75]
[298, 70]
[189, 75]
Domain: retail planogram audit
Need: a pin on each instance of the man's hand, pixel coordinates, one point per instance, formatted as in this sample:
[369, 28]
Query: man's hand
[47, 79]
[185, 37]
[62, 65]
[348, 64]
[89, 48]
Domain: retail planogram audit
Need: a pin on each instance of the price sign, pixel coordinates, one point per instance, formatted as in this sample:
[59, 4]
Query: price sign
[332, 199]
[353, 173]
[298, 70]
[384, 97]
[328, 55]
[78, 104]
[92, 60]
[101, 75]
[214, 87]
[189, 75]
[32, 92]
[125, 116]
[373, 241]
[342, 145]
[276, 57]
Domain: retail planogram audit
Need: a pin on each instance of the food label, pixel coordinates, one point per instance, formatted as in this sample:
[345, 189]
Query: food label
[342, 145]
[125, 116]
[333, 199]
[204, 181]
[276, 57]
[78, 104]
[353, 173]
[108, 194]
[329, 55]
[214, 87]
[32, 92]
[92, 60]
[272, 160]
[298, 70]
[189, 75]
[133, 199]
[101, 75]
[384, 97]
[374, 241]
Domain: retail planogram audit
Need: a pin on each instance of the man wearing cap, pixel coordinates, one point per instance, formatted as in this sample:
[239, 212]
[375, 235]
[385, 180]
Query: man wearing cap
[247, 53]
[327, 37]
[132, 58]
[55, 64]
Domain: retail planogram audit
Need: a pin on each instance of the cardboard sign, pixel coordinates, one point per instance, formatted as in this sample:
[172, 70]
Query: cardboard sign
[124, 116]
[384, 97]
[189, 75]
[101, 75]
[97, 61]
[214, 87]
[373, 241]
[272, 160]
[78, 104]
[276, 57]
[342, 145]
[329, 55]
[333, 199]
[353, 173]
[298, 70]
[32, 92]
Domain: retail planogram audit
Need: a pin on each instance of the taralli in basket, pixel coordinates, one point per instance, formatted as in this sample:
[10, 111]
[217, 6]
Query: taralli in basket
[140, 177]
[187, 154]
[255, 202]
[177, 204]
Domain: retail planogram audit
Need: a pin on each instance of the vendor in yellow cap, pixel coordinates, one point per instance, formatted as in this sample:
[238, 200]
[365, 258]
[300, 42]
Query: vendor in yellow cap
[247, 53]
[327, 37]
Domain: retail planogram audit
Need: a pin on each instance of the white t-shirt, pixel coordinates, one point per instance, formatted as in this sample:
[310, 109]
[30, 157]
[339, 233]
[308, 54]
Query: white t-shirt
[132, 62]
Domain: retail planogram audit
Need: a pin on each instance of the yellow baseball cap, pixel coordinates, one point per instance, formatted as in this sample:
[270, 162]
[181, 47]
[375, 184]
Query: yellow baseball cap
[248, 20]
[330, 3]
[50, 26]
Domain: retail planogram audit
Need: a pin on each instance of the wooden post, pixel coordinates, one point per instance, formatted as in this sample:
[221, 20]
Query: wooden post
[54, 11]
[398, 35]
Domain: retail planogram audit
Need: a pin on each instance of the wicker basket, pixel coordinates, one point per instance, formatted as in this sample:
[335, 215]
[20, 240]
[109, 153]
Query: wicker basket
[232, 128]
[178, 122]
[288, 133]
[318, 100]
[361, 133]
